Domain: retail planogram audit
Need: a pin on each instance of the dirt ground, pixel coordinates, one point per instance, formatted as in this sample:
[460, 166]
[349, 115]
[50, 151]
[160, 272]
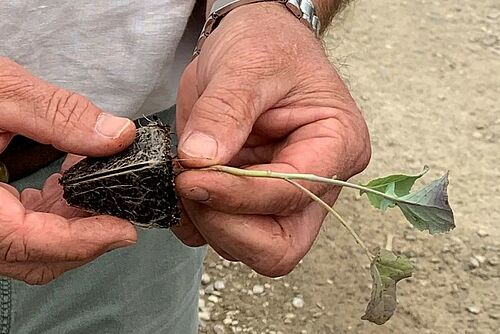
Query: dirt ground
[427, 76]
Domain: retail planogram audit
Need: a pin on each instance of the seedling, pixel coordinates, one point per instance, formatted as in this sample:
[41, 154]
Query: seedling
[138, 185]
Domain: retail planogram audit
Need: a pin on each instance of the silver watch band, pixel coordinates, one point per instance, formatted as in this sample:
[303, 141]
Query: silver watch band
[302, 9]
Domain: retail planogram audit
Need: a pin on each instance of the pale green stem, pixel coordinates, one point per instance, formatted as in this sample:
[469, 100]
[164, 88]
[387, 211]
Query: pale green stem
[291, 176]
[337, 215]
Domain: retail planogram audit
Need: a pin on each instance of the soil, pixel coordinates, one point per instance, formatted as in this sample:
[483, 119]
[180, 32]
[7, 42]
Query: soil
[427, 76]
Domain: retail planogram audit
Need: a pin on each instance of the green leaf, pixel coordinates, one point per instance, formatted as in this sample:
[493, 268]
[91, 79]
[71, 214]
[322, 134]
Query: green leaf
[394, 185]
[387, 269]
[428, 208]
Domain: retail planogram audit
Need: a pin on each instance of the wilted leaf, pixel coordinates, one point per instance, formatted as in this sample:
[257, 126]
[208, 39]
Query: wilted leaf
[394, 185]
[387, 270]
[428, 208]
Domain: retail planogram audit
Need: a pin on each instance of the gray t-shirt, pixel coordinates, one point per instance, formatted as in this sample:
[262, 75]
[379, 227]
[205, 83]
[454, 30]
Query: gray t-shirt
[127, 57]
[121, 53]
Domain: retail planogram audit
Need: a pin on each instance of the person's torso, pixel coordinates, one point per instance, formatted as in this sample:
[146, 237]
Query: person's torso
[119, 53]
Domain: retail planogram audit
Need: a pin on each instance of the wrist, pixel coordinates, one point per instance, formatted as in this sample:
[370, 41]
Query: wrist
[325, 10]
[256, 12]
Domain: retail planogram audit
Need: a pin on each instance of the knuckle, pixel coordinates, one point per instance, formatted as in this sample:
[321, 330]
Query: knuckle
[63, 108]
[229, 107]
[282, 268]
[13, 246]
[193, 241]
[39, 276]
[361, 148]
[14, 83]
[280, 259]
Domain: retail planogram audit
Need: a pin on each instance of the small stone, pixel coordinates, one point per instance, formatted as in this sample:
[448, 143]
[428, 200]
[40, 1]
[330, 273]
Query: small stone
[481, 259]
[226, 263]
[205, 316]
[218, 267]
[219, 329]
[209, 289]
[494, 316]
[205, 279]
[482, 233]
[410, 237]
[473, 263]
[303, 331]
[473, 309]
[477, 135]
[298, 302]
[435, 260]
[201, 303]
[219, 285]
[493, 15]
[258, 289]
[317, 314]
[213, 299]
[493, 261]
[329, 281]
[267, 286]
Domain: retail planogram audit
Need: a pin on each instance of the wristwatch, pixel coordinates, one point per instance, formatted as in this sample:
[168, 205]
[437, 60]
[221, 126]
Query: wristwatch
[303, 9]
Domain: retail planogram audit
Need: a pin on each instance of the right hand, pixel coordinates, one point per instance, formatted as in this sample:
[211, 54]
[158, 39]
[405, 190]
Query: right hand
[37, 247]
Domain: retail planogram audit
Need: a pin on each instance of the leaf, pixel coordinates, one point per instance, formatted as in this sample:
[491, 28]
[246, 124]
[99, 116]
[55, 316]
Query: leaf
[397, 185]
[387, 270]
[428, 208]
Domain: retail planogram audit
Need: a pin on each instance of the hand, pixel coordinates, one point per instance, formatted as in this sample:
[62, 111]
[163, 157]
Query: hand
[40, 237]
[263, 95]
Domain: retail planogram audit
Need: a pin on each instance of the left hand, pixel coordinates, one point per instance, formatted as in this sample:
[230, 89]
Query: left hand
[263, 95]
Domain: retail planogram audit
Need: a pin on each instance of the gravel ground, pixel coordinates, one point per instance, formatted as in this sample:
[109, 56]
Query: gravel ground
[427, 76]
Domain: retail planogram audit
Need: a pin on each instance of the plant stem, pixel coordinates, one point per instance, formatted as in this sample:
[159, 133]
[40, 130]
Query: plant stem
[291, 176]
[337, 215]
[308, 177]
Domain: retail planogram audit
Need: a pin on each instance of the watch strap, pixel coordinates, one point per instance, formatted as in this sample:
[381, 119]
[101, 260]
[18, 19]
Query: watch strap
[303, 9]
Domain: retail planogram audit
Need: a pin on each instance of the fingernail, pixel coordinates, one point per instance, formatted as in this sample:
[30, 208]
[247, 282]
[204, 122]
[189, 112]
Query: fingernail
[196, 194]
[111, 126]
[121, 244]
[199, 145]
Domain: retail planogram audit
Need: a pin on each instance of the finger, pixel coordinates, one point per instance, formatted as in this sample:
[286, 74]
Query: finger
[52, 115]
[270, 245]
[5, 139]
[10, 189]
[34, 236]
[50, 199]
[37, 273]
[71, 159]
[186, 96]
[222, 118]
[321, 148]
[52, 238]
[188, 233]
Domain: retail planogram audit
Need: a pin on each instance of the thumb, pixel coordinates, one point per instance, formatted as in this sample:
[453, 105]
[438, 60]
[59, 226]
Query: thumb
[50, 115]
[222, 118]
